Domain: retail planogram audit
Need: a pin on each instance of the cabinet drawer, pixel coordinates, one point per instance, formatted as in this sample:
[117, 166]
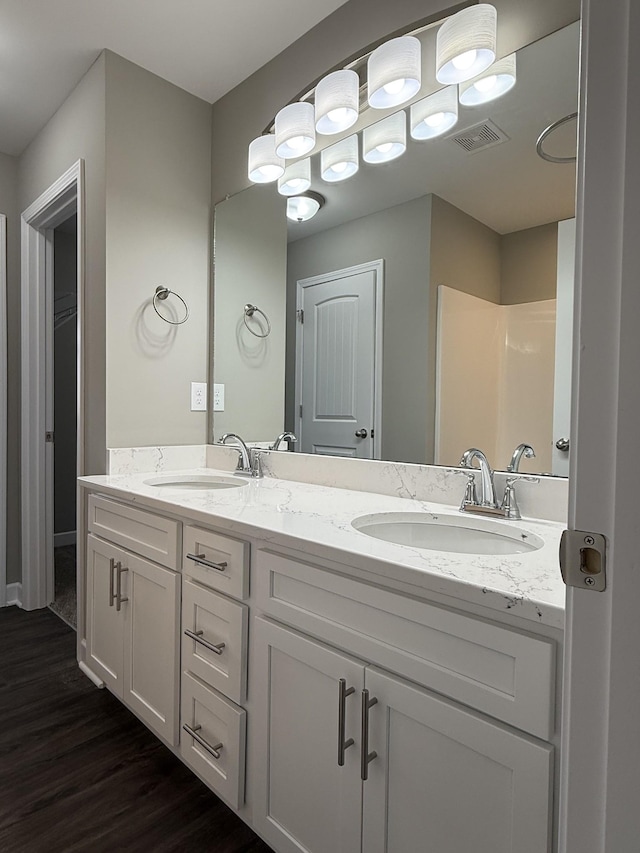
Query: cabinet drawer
[215, 620]
[142, 532]
[499, 671]
[229, 555]
[220, 729]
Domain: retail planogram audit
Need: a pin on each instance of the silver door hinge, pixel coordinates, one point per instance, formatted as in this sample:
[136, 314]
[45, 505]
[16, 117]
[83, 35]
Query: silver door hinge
[300, 315]
[583, 559]
[48, 437]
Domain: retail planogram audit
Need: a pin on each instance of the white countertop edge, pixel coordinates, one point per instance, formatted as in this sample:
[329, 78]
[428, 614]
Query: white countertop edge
[543, 607]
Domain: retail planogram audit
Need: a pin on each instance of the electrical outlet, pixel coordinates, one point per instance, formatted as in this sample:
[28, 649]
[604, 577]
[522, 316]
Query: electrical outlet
[198, 396]
[218, 397]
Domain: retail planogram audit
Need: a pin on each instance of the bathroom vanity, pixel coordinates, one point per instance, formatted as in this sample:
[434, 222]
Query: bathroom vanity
[340, 692]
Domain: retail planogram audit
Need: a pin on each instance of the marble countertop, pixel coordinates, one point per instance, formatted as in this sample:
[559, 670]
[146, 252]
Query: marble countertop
[317, 520]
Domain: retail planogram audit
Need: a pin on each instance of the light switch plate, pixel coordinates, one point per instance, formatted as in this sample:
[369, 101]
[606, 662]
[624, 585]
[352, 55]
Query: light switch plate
[198, 396]
[218, 397]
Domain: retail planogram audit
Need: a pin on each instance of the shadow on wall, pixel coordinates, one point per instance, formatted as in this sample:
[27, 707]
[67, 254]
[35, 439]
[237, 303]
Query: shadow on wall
[153, 337]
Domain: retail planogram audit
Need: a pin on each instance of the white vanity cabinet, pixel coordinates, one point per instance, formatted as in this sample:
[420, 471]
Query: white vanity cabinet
[133, 616]
[366, 720]
[441, 775]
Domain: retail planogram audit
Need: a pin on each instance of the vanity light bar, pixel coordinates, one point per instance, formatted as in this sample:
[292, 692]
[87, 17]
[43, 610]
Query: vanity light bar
[465, 56]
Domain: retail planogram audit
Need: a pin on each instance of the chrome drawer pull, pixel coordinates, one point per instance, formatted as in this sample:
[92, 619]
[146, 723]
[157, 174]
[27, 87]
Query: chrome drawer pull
[216, 648]
[200, 558]
[343, 692]
[112, 566]
[366, 757]
[213, 750]
[120, 569]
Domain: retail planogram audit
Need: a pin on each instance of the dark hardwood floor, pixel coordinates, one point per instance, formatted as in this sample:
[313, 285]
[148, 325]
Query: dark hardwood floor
[78, 772]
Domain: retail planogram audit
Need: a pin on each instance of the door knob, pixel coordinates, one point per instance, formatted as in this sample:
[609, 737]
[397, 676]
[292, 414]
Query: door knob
[562, 444]
[361, 433]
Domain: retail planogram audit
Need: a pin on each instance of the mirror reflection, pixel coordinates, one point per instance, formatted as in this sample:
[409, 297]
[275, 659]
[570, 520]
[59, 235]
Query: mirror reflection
[427, 306]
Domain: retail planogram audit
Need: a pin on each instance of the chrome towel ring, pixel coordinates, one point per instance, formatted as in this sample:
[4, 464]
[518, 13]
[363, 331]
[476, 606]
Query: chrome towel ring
[249, 311]
[556, 124]
[161, 294]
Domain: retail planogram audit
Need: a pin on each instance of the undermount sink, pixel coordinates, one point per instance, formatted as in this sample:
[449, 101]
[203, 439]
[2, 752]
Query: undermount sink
[195, 481]
[448, 533]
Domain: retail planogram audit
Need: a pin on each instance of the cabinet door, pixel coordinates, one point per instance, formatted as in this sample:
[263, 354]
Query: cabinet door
[151, 658]
[305, 801]
[446, 780]
[105, 624]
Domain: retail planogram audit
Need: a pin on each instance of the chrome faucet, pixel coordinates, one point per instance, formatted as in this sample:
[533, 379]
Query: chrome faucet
[284, 436]
[244, 455]
[487, 487]
[521, 450]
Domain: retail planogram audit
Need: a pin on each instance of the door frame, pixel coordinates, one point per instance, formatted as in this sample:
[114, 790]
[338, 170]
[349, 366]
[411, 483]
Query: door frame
[600, 764]
[57, 203]
[3, 409]
[377, 267]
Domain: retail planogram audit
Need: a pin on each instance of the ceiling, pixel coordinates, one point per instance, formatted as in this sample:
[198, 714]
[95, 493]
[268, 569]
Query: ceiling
[204, 46]
[507, 186]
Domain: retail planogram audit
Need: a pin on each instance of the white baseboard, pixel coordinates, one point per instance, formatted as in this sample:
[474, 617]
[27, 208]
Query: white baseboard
[14, 594]
[67, 538]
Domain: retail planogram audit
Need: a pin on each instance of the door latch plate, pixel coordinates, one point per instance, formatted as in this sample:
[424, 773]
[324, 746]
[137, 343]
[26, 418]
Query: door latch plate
[583, 559]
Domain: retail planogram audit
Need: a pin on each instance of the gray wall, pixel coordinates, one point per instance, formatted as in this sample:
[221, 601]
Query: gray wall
[250, 266]
[65, 253]
[147, 200]
[9, 206]
[77, 130]
[158, 220]
[400, 236]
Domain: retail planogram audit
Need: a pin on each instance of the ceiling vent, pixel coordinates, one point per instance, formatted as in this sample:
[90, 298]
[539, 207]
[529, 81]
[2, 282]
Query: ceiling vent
[485, 134]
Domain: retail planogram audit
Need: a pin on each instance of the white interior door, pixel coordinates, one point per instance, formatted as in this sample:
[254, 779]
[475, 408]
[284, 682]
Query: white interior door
[337, 368]
[601, 736]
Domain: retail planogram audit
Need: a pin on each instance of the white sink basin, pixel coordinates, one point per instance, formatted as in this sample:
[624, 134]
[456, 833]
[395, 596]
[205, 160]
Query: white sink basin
[195, 481]
[448, 533]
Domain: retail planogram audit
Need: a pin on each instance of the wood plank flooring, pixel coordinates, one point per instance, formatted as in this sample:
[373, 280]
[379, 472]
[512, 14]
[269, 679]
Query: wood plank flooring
[78, 772]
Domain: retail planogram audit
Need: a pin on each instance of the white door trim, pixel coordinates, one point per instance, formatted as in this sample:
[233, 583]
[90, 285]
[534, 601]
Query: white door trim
[376, 267]
[600, 767]
[56, 204]
[3, 410]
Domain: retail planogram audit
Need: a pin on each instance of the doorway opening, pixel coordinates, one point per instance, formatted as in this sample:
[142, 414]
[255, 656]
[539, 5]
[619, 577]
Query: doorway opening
[65, 305]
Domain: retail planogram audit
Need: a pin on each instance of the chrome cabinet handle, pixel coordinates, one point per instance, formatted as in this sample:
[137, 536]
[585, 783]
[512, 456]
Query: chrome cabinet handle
[562, 444]
[216, 648]
[200, 558]
[193, 732]
[343, 745]
[366, 757]
[361, 433]
[112, 595]
[120, 569]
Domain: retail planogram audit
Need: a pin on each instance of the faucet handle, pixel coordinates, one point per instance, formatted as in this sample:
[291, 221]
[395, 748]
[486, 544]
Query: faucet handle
[470, 495]
[509, 505]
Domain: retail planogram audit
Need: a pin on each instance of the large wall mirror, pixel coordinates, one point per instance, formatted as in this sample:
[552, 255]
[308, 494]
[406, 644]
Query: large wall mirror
[427, 306]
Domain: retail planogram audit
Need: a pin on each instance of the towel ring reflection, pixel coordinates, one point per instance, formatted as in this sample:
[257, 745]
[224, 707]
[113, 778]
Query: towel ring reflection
[545, 133]
[249, 311]
[162, 293]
